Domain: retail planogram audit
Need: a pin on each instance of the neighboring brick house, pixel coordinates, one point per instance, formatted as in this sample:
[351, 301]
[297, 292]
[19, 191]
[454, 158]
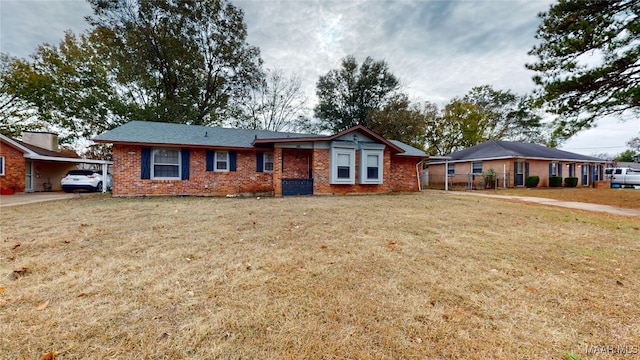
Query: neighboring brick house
[513, 162]
[152, 158]
[34, 163]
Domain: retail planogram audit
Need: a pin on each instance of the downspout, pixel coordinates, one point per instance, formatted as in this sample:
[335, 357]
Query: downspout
[419, 174]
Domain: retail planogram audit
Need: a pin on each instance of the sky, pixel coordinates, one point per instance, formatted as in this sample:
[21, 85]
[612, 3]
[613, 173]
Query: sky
[439, 49]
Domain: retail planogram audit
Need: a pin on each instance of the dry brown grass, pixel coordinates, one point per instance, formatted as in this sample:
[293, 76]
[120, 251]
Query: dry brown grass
[625, 198]
[367, 277]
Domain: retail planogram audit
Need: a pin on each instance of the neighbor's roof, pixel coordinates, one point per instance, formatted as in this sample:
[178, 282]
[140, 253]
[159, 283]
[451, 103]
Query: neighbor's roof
[159, 133]
[494, 149]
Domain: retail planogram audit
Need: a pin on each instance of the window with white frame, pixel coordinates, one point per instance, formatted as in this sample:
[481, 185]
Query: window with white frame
[476, 167]
[165, 163]
[451, 169]
[343, 164]
[1, 165]
[553, 169]
[268, 162]
[221, 161]
[371, 166]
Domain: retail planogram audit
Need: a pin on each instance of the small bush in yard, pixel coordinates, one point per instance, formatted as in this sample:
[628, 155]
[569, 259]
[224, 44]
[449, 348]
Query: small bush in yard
[571, 181]
[555, 181]
[531, 181]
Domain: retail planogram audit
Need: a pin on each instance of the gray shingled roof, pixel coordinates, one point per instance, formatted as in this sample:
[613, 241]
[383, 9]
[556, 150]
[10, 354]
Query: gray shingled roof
[148, 132]
[508, 149]
[408, 150]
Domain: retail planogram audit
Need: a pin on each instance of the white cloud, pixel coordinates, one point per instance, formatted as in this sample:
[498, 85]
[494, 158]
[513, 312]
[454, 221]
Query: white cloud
[440, 49]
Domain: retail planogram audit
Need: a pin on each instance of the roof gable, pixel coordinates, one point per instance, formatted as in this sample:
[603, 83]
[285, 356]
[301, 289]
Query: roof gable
[510, 149]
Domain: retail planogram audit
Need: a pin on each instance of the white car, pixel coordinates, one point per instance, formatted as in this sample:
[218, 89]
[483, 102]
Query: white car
[90, 180]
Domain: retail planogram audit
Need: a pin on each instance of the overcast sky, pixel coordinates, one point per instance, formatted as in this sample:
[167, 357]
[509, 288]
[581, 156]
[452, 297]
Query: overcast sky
[439, 49]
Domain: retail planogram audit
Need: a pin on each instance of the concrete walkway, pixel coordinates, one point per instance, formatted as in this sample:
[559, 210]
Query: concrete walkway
[552, 202]
[21, 199]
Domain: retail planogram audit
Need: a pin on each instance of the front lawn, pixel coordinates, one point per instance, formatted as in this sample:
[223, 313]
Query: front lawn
[408, 276]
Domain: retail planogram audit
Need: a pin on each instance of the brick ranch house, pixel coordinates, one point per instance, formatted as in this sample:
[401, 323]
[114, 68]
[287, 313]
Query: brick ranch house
[35, 163]
[152, 158]
[513, 162]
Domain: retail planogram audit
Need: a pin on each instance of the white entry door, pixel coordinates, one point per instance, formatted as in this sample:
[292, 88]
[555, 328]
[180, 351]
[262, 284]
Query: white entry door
[28, 176]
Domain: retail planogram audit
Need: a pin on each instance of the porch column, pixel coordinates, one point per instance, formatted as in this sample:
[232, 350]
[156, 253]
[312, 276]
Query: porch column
[277, 171]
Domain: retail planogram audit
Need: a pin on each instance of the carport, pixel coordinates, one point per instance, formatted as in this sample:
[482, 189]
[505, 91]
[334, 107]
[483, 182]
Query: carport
[27, 167]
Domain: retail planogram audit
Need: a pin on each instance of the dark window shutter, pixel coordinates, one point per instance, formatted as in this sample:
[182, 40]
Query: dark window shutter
[550, 168]
[232, 160]
[526, 169]
[184, 153]
[145, 163]
[260, 162]
[209, 160]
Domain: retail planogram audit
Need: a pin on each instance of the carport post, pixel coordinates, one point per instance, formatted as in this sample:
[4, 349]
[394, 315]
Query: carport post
[446, 175]
[104, 176]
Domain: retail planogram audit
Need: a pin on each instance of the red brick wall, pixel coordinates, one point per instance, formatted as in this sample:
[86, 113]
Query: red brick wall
[403, 174]
[296, 163]
[399, 174]
[14, 168]
[127, 181]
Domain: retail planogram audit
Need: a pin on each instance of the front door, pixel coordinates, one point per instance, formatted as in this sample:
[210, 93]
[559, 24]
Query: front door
[585, 175]
[28, 176]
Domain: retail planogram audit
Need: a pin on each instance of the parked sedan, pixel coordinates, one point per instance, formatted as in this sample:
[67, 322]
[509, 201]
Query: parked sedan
[89, 180]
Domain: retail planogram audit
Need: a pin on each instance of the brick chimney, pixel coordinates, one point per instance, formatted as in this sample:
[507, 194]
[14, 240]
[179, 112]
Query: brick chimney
[45, 140]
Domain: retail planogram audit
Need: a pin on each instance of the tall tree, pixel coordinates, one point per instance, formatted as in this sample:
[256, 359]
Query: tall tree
[483, 114]
[347, 95]
[183, 61]
[399, 120]
[275, 104]
[67, 87]
[16, 113]
[507, 116]
[588, 61]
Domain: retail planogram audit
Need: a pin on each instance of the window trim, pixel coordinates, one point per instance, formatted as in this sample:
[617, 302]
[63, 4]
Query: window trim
[451, 169]
[473, 167]
[227, 161]
[364, 171]
[265, 157]
[2, 158]
[343, 150]
[153, 164]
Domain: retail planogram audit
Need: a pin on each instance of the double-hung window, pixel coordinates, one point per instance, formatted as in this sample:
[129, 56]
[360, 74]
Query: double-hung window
[268, 162]
[343, 165]
[371, 166]
[553, 169]
[221, 161]
[451, 169]
[476, 167]
[165, 163]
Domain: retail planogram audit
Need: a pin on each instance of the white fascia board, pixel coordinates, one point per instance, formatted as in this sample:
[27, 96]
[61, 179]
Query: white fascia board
[65, 159]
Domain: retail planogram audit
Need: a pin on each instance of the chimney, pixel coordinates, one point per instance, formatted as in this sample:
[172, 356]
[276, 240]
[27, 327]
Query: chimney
[45, 140]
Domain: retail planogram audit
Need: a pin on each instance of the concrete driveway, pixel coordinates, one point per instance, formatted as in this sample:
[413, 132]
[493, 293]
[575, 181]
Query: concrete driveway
[29, 198]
